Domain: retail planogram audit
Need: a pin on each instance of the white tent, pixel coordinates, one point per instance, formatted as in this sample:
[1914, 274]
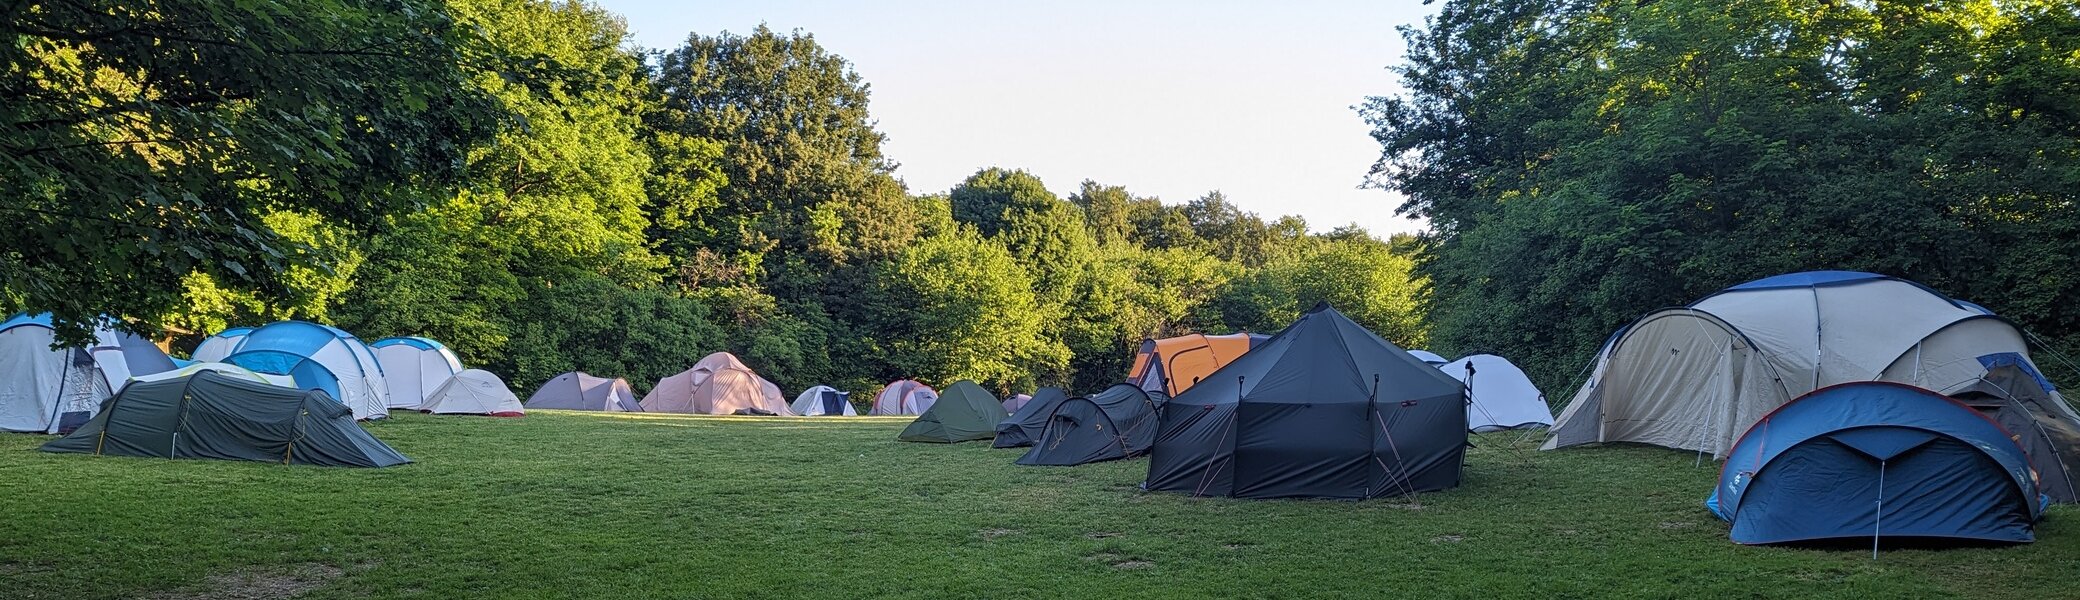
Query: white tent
[906, 397]
[1429, 357]
[474, 392]
[319, 358]
[50, 391]
[1503, 397]
[220, 345]
[1695, 377]
[823, 400]
[414, 367]
[227, 368]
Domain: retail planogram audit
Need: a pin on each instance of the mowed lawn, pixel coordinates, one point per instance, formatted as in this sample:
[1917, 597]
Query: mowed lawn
[578, 505]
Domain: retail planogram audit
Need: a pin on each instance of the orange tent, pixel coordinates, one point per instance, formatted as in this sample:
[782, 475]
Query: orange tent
[1171, 365]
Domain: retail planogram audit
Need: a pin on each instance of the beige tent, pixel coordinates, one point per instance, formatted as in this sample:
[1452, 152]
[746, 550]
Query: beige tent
[1695, 377]
[474, 392]
[717, 385]
[906, 397]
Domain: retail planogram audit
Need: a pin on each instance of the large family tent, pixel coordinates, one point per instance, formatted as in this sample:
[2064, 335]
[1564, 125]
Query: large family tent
[965, 412]
[1429, 357]
[1024, 425]
[717, 385]
[1324, 409]
[2024, 403]
[580, 391]
[52, 391]
[1694, 377]
[226, 368]
[1503, 396]
[822, 401]
[474, 392]
[906, 397]
[319, 358]
[1117, 423]
[1876, 460]
[217, 415]
[414, 367]
[1172, 365]
[218, 346]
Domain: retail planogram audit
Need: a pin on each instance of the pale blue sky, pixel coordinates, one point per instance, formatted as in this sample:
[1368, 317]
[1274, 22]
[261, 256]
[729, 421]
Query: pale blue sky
[1170, 99]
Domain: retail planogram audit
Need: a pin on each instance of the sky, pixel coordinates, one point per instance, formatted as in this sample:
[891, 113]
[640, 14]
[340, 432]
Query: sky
[1169, 99]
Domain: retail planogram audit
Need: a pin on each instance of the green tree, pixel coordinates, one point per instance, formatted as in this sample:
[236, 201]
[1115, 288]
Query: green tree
[968, 312]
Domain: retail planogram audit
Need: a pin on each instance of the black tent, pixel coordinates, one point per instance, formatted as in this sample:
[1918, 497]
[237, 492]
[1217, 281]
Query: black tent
[2022, 401]
[1022, 427]
[214, 415]
[1117, 423]
[1324, 409]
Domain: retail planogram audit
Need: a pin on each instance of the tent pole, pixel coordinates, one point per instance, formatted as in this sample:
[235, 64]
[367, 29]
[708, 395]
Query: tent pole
[1878, 523]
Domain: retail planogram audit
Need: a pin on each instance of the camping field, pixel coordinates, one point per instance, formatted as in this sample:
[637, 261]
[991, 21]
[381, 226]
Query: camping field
[598, 505]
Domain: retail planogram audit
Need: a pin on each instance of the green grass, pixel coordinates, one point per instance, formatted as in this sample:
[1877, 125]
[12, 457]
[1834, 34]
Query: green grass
[577, 505]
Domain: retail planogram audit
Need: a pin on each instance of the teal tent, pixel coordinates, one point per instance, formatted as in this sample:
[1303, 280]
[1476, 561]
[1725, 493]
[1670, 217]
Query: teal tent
[964, 412]
[213, 415]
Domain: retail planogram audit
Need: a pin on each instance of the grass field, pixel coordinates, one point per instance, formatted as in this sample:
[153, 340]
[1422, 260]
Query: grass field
[578, 505]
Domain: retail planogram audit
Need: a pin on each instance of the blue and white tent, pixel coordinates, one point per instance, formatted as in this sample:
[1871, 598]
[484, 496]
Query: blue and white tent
[52, 391]
[319, 358]
[414, 367]
[1876, 460]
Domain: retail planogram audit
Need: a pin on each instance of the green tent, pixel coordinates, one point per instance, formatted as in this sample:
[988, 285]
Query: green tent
[214, 415]
[964, 412]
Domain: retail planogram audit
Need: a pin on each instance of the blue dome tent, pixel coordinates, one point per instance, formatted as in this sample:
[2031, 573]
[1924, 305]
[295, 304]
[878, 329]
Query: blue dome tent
[1876, 460]
[319, 358]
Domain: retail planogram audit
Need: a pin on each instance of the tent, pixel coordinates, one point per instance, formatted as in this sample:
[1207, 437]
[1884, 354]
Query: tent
[1015, 402]
[414, 367]
[1429, 357]
[474, 392]
[1024, 425]
[1324, 409]
[1694, 377]
[2024, 403]
[216, 347]
[1172, 365]
[319, 358]
[823, 400]
[1503, 396]
[717, 385]
[226, 368]
[580, 391]
[43, 390]
[217, 415]
[1119, 422]
[906, 397]
[965, 412]
[1876, 460]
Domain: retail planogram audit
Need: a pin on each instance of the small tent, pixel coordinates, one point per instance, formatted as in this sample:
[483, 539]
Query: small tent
[823, 400]
[217, 415]
[320, 358]
[581, 391]
[1024, 425]
[414, 367]
[1117, 423]
[216, 347]
[1172, 365]
[965, 412]
[1876, 460]
[906, 397]
[1324, 409]
[1695, 377]
[226, 368]
[2013, 394]
[1015, 402]
[474, 392]
[45, 390]
[717, 385]
[1429, 357]
[1503, 396]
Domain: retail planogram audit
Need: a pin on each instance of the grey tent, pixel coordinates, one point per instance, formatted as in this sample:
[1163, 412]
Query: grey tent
[964, 412]
[578, 391]
[1117, 423]
[1024, 425]
[215, 415]
[2019, 398]
[1323, 409]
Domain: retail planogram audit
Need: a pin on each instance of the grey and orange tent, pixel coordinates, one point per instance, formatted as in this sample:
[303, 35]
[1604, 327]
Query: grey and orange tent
[1171, 365]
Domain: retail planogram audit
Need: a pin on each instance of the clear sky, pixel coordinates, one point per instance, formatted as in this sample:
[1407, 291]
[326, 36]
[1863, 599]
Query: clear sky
[1170, 99]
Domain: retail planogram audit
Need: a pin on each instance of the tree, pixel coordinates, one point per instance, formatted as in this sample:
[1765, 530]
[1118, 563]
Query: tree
[1364, 279]
[967, 312]
[149, 140]
[1105, 211]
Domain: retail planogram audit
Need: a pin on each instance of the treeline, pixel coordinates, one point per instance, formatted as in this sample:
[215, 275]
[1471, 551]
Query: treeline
[1584, 161]
[508, 177]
